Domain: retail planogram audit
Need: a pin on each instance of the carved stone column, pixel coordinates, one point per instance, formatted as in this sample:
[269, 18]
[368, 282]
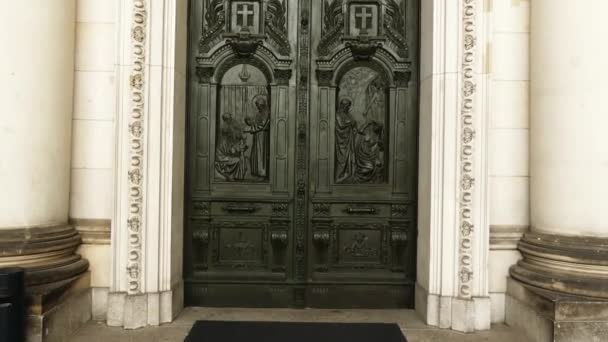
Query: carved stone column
[36, 88]
[567, 249]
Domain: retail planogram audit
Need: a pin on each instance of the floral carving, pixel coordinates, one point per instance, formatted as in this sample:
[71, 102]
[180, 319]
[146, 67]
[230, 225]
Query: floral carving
[135, 172]
[276, 26]
[213, 27]
[138, 34]
[467, 133]
[333, 26]
[395, 26]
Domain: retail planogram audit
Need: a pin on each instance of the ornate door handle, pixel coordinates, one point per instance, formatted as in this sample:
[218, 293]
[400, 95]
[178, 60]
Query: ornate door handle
[353, 211]
[239, 209]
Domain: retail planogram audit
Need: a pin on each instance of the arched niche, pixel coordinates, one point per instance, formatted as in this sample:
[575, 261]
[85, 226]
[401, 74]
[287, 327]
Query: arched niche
[378, 91]
[241, 129]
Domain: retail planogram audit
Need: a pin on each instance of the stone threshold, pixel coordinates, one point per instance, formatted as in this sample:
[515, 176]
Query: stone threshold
[409, 321]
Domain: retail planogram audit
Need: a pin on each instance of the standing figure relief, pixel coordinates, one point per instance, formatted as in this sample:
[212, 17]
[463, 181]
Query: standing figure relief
[259, 128]
[359, 132]
[243, 131]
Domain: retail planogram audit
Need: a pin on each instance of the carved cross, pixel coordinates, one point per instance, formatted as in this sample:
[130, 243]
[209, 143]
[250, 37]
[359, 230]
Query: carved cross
[244, 14]
[363, 16]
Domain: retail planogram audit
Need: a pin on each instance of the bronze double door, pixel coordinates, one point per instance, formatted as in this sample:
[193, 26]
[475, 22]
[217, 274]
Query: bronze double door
[301, 180]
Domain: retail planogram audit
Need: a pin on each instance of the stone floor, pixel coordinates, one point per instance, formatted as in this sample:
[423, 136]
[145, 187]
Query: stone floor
[413, 327]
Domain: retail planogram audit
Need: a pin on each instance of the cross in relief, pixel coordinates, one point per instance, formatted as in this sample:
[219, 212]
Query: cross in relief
[363, 16]
[244, 14]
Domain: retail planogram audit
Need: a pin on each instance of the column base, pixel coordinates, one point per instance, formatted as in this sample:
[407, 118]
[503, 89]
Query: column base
[57, 284]
[573, 265]
[48, 254]
[56, 311]
[549, 316]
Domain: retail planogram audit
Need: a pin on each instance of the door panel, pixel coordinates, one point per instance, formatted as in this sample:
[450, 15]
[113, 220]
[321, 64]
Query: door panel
[302, 153]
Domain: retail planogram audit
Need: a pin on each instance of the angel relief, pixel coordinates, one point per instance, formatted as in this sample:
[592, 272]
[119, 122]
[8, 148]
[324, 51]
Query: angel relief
[242, 151]
[360, 138]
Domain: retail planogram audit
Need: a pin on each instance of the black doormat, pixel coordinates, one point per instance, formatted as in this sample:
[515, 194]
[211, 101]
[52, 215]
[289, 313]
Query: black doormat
[220, 331]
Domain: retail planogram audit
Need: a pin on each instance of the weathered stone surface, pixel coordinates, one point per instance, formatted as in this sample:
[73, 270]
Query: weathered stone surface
[61, 311]
[567, 264]
[548, 316]
[414, 328]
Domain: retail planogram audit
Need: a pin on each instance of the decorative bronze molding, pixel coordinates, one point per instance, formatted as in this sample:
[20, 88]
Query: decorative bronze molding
[399, 238]
[279, 237]
[362, 49]
[333, 26]
[201, 208]
[321, 237]
[280, 209]
[276, 26]
[325, 77]
[302, 178]
[282, 77]
[214, 25]
[321, 209]
[202, 236]
[395, 26]
[402, 78]
[205, 74]
[244, 44]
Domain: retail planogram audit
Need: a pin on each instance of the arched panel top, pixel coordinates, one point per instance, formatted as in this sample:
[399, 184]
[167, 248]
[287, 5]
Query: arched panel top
[233, 65]
[348, 66]
[213, 68]
[244, 73]
[397, 73]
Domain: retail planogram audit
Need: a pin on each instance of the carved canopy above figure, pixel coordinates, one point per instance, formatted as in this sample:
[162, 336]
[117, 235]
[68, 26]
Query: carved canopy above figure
[249, 20]
[364, 30]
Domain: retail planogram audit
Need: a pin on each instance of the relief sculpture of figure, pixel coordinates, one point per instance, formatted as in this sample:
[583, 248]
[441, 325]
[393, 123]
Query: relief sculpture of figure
[369, 149]
[230, 159]
[346, 132]
[259, 128]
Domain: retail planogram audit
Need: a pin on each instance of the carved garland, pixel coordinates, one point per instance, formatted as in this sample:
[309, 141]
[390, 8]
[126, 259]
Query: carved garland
[467, 180]
[135, 173]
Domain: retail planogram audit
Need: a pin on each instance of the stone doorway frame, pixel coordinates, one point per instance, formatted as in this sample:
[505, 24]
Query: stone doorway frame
[147, 227]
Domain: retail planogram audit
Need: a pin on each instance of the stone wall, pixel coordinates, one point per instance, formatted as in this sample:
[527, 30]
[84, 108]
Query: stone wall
[93, 143]
[508, 60]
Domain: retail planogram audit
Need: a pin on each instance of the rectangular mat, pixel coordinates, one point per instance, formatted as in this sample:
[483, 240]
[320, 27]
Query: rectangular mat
[222, 331]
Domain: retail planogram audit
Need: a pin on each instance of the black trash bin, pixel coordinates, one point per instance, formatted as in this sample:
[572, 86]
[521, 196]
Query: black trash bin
[12, 305]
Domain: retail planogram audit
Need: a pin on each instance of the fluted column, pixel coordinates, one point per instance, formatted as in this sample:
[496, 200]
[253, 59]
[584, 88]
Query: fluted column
[36, 87]
[567, 249]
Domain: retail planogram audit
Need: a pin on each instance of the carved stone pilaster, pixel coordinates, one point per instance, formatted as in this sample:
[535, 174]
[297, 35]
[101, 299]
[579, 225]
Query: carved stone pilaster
[135, 173]
[467, 137]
